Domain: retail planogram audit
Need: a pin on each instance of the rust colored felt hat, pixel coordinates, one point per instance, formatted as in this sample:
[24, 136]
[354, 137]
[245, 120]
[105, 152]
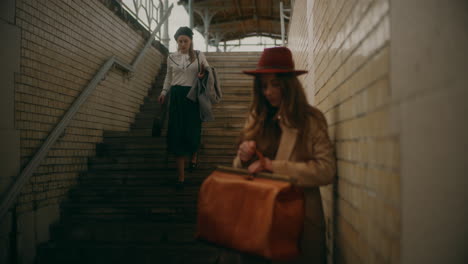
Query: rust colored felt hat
[275, 60]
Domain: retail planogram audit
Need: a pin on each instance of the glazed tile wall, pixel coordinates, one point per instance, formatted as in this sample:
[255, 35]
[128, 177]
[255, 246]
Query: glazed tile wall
[345, 47]
[429, 62]
[63, 45]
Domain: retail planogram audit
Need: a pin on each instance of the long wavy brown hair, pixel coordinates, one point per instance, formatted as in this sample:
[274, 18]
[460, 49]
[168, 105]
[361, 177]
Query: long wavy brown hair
[192, 52]
[294, 110]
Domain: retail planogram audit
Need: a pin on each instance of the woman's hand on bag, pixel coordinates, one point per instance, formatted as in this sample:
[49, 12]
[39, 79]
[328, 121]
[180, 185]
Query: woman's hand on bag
[161, 99]
[247, 150]
[202, 71]
[257, 166]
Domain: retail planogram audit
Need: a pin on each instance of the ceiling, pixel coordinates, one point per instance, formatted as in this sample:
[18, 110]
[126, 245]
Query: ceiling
[237, 19]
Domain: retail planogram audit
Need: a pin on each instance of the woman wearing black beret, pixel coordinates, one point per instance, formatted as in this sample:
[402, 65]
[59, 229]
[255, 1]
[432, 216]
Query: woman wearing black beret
[183, 67]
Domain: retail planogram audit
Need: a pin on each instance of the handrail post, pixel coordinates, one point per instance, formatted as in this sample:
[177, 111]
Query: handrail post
[165, 37]
[151, 38]
[190, 7]
[282, 23]
[282, 17]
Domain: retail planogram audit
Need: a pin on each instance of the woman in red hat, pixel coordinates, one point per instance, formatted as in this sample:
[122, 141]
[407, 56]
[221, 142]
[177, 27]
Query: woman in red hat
[293, 137]
[184, 129]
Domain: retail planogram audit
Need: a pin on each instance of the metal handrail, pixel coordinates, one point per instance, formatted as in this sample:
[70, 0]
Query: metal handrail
[149, 10]
[15, 187]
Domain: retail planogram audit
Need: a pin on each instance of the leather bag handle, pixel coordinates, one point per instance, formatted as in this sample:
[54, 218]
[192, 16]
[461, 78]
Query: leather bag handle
[260, 156]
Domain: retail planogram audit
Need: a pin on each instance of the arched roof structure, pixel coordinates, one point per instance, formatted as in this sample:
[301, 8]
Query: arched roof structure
[236, 19]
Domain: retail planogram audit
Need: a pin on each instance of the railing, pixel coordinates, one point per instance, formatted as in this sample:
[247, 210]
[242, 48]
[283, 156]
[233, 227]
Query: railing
[283, 16]
[147, 13]
[19, 182]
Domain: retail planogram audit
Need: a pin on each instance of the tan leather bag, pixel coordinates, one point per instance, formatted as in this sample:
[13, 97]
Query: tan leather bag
[258, 215]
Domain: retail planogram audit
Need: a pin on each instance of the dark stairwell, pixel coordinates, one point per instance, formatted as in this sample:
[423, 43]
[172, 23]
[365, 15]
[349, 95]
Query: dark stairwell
[125, 208]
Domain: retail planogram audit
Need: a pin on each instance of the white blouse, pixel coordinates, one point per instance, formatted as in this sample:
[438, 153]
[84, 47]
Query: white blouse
[180, 71]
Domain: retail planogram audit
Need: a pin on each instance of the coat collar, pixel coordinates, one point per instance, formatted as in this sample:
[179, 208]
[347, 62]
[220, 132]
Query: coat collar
[287, 142]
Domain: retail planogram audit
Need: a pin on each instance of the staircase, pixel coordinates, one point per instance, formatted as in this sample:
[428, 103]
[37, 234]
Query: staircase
[125, 208]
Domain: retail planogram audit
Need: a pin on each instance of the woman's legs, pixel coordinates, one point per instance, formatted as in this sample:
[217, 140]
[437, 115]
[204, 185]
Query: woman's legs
[180, 163]
[193, 162]
[184, 129]
[194, 157]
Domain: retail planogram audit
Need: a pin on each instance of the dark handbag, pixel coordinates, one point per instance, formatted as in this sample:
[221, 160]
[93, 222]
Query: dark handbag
[159, 120]
[259, 214]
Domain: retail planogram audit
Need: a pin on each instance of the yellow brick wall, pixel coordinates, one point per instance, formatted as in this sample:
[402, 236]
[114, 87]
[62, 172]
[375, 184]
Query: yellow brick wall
[63, 45]
[345, 46]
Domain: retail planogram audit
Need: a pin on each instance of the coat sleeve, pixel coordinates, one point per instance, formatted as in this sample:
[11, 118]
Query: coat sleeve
[319, 170]
[202, 58]
[237, 163]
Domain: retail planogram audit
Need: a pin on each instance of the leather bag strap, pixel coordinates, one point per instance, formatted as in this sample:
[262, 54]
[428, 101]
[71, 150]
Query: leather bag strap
[260, 157]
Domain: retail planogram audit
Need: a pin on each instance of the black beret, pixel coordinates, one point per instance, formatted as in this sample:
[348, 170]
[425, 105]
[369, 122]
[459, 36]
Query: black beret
[186, 31]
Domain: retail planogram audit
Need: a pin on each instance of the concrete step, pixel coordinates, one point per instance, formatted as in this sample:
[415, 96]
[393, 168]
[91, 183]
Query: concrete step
[207, 148]
[234, 53]
[147, 177]
[234, 62]
[156, 164]
[235, 113]
[218, 112]
[218, 123]
[123, 253]
[230, 96]
[153, 105]
[227, 123]
[162, 152]
[155, 142]
[228, 105]
[230, 66]
[233, 96]
[162, 187]
[155, 210]
[232, 113]
[147, 132]
[129, 214]
[136, 190]
[234, 75]
[241, 82]
[133, 232]
[96, 201]
[222, 68]
[232, 59]
[151, 142]
[237, 98]
[145, 163]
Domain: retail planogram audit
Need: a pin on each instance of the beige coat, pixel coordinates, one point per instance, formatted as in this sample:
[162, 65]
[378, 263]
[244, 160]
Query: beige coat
[311, 170]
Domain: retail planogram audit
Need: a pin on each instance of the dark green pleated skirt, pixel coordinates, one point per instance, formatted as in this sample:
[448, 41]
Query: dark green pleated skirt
[184, 131]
